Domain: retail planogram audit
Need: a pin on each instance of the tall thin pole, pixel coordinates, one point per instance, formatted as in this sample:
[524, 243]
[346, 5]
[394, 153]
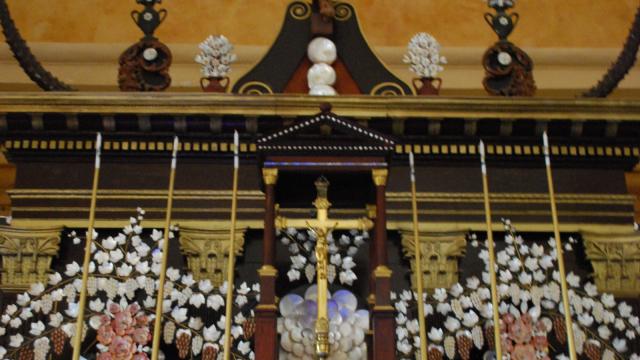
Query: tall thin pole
[232, 251]
[559, 252]
[155, 350]
[492, 256]
[77, 340]
[418, 273]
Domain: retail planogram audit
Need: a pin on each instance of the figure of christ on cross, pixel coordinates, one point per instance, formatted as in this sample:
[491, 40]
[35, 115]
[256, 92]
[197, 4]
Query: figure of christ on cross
[322, 225]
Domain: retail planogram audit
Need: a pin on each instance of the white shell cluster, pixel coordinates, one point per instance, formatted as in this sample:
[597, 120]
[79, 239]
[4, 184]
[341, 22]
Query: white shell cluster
[423, 56]
[347, 326]
[216, 56]
[321, 76]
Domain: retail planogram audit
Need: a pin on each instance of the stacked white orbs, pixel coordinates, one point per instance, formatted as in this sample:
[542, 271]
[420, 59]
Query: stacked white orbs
[347, 326]
[322, 76]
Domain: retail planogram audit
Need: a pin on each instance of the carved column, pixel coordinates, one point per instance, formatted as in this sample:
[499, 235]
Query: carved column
[383, 312]
[266, 312]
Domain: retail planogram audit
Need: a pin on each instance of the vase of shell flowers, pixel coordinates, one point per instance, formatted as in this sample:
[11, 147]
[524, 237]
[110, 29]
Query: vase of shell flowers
[423, 56]
[216, 58]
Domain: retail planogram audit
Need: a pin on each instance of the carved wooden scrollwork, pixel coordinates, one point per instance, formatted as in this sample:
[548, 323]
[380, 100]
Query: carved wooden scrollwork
[207, 252]
[616, 262]
[440, 255]
[509, 71]
[27, 255]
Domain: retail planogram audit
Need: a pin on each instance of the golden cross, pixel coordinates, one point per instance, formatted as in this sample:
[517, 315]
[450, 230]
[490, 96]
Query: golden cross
[322, 225]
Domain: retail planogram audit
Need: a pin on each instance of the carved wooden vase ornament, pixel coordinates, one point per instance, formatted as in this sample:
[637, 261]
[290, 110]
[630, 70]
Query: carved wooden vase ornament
[214, 84]
[427, 86]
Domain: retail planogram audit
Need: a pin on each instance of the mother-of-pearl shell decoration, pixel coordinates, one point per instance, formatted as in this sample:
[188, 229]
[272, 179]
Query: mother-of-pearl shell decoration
[321, 76]
[347, 326]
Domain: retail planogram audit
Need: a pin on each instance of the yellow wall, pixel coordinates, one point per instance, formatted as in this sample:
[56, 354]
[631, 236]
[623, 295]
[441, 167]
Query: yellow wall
[545, 23]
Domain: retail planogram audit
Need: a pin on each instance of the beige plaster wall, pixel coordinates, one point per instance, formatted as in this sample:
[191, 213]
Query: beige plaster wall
[545, 23]
[572, 42]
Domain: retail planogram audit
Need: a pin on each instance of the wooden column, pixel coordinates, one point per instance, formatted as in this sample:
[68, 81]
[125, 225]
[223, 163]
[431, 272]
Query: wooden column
[267, 311]
[371, 299]
[632, 179]
[383, 312]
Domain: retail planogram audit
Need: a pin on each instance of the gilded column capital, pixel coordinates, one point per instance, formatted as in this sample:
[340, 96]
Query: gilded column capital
[371, 211]
[207, 251]
[382, 271]
[27, 255]
[268, 270]
[270, 176]
[380, 176]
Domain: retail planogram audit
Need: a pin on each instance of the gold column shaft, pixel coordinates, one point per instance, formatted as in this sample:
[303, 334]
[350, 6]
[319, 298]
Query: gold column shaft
[419, 278]
[77, 340]
[155, 350]
[495, 301]
[322, 323]
[232, 255]
[561, 267]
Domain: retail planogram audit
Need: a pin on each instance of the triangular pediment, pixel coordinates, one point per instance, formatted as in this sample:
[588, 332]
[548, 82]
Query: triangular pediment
[327, 132]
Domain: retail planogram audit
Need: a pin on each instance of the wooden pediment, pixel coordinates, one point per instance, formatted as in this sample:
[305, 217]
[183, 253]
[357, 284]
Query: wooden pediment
[326, 134]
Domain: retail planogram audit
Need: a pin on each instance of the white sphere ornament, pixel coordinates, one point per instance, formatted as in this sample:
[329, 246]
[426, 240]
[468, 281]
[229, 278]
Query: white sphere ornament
[322, 51]
[321, 74]
[322, 90]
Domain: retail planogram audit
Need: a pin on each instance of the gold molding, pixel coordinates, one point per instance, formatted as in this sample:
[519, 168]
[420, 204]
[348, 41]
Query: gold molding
[207, 251]
[371, 210]
[27, 255]
[440, 255]
[296, 105]
[270, 176]
[380, 176]
[616, 261]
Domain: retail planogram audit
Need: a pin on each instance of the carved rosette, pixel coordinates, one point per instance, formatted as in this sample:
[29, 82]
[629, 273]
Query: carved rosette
[616, 262]
[27, 255]
[509, 71]
[207, 252]
[440, 253]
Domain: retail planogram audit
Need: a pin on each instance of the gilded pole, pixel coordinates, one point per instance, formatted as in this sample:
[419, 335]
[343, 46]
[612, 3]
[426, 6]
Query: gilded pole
[418, 272]
[561, 267]
[155, 350]
[492, 257]
[77, 340]
[232, 251]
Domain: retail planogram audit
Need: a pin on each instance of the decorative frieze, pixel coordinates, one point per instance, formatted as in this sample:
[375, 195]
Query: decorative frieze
[616, 262]
[440, 254]
[26, 256]
[207, 252]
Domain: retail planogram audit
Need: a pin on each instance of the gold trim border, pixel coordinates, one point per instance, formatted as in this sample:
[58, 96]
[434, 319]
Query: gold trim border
[418, 149]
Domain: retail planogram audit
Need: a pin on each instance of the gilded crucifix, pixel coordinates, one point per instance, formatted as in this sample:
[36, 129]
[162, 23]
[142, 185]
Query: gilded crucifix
[322, 225]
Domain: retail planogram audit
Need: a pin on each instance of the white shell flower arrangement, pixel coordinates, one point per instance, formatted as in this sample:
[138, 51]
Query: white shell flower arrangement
[301, 245]
[124, 270]
[423, 55]
[216, 56]
[347, 325]
[530, 309]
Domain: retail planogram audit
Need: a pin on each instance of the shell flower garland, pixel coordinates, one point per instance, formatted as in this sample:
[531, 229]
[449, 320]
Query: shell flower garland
[530, 311]
[342, 251]
[216, 56]
[121, 298]
[423, 55]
